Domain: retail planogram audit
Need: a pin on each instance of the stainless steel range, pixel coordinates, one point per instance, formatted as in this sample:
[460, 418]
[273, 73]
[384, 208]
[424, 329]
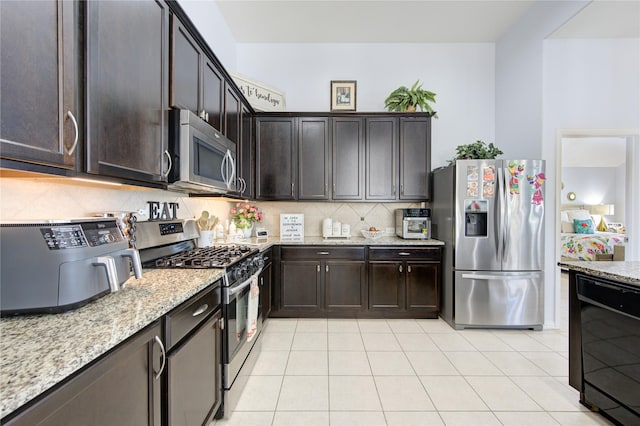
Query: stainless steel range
[173, 245]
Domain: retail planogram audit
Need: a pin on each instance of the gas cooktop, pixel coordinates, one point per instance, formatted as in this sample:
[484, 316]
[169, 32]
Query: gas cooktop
[211, 257]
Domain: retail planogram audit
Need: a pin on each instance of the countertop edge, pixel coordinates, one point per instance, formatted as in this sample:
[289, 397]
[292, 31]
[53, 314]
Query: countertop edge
[622, 271]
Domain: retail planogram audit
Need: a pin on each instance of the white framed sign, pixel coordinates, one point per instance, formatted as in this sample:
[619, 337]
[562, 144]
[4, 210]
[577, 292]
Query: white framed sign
[261, 96]
[292, 227]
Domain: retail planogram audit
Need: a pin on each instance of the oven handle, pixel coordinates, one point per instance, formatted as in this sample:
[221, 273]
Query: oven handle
[239, 287]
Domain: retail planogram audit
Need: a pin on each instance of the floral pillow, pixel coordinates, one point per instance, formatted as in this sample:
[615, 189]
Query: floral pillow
[583, 226]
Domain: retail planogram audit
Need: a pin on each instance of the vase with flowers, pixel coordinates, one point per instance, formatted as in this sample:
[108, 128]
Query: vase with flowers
[244, 216]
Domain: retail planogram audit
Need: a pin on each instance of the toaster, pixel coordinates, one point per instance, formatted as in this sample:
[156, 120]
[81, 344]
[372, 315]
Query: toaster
[56, 266]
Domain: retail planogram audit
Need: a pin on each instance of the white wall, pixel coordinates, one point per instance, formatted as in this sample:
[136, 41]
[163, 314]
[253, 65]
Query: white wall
[206, 16]
[519, 78]
[594, 185]
[461, 75]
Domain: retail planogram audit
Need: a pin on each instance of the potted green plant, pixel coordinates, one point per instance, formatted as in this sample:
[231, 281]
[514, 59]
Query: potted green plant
[404, 99]
[475, 151]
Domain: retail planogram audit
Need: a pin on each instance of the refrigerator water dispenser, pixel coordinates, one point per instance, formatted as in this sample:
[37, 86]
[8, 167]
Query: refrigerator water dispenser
[475, 218]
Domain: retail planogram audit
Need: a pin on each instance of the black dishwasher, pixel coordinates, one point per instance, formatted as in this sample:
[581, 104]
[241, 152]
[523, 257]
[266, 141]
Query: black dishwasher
[193, 382]
[610, 323]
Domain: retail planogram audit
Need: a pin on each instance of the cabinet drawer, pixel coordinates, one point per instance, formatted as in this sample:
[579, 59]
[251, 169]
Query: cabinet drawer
[323, 252]
[405, 253]
[180, 321]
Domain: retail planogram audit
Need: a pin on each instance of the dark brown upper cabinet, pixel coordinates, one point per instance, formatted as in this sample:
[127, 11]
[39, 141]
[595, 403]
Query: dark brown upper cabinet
[355, 157]
[276, 158]
[245, 155]
[197, 83]
[313, 158]
[381, 158]
[415, 158]
[232, 112]
[40, 53]
[348, 158]
[293, 158]
[127, 99]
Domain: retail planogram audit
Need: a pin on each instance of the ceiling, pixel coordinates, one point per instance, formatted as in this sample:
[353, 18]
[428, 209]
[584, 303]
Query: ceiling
[413, 21]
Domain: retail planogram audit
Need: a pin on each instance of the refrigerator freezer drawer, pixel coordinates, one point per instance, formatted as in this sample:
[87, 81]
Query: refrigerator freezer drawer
[499, 299]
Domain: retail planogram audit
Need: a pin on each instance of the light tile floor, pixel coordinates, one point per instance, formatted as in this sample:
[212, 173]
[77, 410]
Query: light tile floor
[409, 372]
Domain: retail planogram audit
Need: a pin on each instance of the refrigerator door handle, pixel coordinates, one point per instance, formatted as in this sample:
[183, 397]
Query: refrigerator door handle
[497, 218]
[499, 277]
[507, 218]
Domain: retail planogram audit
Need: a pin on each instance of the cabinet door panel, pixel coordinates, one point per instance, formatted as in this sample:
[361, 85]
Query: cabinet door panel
[300, 287]
[194, 376]
[38, 81]
[381, 144]
[422, 285]
[231, 114]
[313, 161]
[345, 285]
[246, 157]
[266, 290]
[415, 158]
[212, 94]
[275, 154]
[127, 90]
[386, 286]
[348, 158]
[186, 58]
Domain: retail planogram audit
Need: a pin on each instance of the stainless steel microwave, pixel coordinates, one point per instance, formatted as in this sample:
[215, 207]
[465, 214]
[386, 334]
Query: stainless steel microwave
[202, 159]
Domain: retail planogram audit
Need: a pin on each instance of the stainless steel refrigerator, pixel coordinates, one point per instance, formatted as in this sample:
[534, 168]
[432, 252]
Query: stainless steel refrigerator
[490, 214]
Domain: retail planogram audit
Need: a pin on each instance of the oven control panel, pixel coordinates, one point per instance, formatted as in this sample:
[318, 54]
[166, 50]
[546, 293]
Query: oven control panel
[171, 228]
[90, 234]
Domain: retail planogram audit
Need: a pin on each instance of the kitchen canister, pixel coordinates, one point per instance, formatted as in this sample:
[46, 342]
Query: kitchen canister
[346, 230]
[327, 227]
[336, 229]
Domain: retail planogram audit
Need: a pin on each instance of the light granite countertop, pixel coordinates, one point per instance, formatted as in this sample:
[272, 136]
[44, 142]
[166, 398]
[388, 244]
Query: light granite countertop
[390, 240]
[39, 351]
[626, 272]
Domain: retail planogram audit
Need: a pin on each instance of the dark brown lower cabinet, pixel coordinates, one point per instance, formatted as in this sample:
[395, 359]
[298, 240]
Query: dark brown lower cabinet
[405, 282]
[317, 281]
[121, 388]
[342, 281]
[194, 376]
[265, 282]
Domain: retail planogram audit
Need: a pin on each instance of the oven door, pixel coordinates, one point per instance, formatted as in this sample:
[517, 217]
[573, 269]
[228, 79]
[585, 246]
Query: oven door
[236, 312]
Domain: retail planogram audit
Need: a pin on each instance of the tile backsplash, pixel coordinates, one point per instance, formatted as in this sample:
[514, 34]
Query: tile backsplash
[61, 198]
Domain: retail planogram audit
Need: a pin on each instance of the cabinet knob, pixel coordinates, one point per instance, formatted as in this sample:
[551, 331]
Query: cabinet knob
[400, 268]
[326, 268]
[318, 268]
[408, 268]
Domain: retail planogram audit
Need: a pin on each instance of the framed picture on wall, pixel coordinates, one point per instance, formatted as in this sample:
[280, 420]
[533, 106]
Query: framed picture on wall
[343, 95]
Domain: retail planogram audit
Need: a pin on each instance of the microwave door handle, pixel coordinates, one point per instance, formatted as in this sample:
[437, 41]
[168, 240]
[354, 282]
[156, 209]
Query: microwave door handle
[233, 170]
[223, 168]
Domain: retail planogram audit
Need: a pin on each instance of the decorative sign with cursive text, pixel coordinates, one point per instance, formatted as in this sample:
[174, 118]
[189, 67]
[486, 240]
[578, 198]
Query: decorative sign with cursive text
[261, 96]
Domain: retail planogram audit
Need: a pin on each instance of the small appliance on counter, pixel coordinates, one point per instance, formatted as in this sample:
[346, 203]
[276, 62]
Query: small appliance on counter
[413, 223]
[58, 265]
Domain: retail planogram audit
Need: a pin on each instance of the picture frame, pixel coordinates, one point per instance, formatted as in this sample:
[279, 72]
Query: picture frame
[343, 95]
